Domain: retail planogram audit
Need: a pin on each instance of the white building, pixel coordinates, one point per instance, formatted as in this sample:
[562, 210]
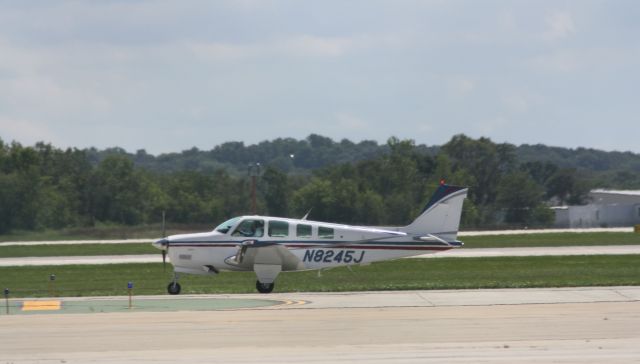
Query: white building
[607, 208]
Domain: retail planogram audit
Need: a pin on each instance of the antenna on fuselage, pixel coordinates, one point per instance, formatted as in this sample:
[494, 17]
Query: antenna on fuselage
[306, 215]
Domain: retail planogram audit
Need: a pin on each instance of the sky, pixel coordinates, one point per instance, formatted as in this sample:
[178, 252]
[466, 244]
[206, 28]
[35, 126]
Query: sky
[166, 76]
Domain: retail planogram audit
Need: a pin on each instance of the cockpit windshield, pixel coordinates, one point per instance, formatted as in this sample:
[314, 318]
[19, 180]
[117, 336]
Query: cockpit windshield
[225, 226]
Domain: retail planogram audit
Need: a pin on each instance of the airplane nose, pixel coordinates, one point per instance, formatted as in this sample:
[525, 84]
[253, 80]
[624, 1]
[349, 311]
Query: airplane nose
[161, 243]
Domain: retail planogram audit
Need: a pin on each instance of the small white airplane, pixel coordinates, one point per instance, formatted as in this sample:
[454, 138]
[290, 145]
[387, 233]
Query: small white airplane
[270, 245]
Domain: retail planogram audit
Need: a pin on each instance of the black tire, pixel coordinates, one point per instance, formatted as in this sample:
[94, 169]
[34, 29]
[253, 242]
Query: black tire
[174, 288]
[264, 287]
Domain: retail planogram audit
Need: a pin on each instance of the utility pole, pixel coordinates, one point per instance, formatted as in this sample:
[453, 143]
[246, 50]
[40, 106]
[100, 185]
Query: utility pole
[253, 172]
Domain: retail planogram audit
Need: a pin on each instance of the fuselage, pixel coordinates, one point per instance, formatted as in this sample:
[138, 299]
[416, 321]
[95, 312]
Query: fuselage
[316, 245]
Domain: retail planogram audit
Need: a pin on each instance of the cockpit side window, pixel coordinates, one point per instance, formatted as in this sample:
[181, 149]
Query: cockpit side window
[303, 231]
[250, 228]
[227, 225]
[278, 229]
[325, 232]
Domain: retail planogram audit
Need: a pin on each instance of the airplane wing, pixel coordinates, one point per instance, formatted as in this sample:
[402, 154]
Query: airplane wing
[254, 252]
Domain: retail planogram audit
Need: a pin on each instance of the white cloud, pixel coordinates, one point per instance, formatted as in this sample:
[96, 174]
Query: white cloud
[215, 70]
[215, 51]
[515, 103]
[493, 126]
[460, 86]
[295, 45]
[318, 46]
[350, 122]
[507, 19]
[593, 59]
[424, 127]
[559, 61]
[559, 25]
[299, 45]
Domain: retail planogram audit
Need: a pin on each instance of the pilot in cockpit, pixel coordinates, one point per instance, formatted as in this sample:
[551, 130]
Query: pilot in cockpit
[250, 228]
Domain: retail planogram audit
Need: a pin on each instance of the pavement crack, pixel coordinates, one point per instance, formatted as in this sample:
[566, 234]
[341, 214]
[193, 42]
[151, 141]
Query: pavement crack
[624, 296]
[425, 299]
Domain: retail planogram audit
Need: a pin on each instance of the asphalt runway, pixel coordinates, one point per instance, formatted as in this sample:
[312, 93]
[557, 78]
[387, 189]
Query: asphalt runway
[568, 325]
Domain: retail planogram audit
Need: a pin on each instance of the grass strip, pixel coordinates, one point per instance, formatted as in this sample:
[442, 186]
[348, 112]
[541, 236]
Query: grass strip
[405, 274]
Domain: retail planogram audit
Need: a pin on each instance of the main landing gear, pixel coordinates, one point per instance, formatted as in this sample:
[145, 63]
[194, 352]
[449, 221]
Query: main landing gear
[264, 287]
[174, 287]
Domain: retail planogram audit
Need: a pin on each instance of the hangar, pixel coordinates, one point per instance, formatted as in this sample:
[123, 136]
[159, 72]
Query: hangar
[607, 208]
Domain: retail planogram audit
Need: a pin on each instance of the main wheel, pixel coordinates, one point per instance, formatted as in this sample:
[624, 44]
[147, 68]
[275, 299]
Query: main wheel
[173, 288]
[264, 287]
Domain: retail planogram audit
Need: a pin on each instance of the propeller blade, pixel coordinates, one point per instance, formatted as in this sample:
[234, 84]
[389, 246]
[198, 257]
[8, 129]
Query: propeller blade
[164, 251]
[164, 232]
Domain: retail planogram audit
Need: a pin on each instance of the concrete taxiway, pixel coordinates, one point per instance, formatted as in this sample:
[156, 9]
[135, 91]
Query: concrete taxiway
[568, 325]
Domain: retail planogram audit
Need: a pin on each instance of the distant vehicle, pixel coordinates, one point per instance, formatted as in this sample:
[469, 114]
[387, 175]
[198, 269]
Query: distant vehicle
[270, 245]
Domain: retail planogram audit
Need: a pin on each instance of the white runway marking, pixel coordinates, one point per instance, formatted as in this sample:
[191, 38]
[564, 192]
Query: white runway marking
[77, 260]
[74, 242]
[536, 251]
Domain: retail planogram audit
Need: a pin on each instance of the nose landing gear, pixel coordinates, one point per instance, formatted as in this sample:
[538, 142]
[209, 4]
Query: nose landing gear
[264, 287]
[174, 287]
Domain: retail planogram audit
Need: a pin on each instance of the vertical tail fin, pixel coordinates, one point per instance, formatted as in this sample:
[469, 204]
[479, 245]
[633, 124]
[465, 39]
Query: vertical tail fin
[441, 215]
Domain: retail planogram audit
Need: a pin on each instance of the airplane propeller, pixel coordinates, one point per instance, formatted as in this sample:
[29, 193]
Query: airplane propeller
[165, 243]
[164, 259]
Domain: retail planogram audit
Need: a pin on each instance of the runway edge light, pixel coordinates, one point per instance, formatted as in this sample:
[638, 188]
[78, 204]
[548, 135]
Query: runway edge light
[52, 285]
[6, 299]
[130, 289]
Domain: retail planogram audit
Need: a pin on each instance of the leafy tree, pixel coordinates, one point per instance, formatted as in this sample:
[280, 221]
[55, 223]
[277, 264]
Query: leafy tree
[518, 195]
[119, 191]
[364, 183]
[8, 201]
[484, 160]
[370, 209]
[316, 196]
[566, 186]
[539, 171]
[275, 189]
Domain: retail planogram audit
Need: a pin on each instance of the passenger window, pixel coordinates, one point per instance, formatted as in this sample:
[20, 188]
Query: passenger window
[278, 229]
[250, 228]
[303, 231]
[325, 232]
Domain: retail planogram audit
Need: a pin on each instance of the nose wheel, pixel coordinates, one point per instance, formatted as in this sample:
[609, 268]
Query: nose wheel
[174, 287]
[264, 287]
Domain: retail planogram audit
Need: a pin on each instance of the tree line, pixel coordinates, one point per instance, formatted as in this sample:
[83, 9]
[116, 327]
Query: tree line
[43, 187]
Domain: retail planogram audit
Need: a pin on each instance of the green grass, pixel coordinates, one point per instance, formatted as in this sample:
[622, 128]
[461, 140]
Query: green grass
[405, 274]
[76, 250]
[550, 239]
